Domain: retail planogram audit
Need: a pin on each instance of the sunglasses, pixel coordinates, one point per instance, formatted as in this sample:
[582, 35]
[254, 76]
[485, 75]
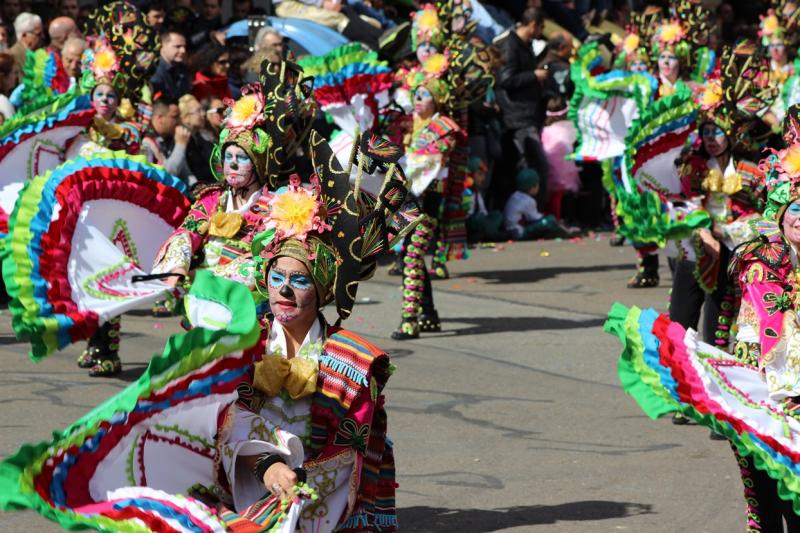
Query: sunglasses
[213, 110]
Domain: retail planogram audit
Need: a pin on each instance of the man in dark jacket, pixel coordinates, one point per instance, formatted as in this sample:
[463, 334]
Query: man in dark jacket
[556, 63]
[171, 78]
[520, 90]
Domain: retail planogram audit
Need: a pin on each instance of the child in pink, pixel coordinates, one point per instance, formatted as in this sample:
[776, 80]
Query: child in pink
[558, 141]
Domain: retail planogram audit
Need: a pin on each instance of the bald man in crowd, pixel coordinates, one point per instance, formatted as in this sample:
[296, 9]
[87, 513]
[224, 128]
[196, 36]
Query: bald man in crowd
[61, 29]
[71, 57]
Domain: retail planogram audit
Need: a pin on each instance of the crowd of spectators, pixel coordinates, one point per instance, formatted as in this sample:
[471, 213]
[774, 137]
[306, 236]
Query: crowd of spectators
[532, 42]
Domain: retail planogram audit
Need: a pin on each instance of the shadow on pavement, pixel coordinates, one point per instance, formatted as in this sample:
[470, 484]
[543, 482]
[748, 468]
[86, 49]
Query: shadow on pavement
[131, 371]
[435, 519]
[500, 324]
[534, 274]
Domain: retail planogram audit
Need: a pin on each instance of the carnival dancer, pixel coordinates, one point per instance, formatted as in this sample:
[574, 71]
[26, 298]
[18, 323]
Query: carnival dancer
[236, 413]
[428, 148]
[750, 396]
[119, 95]
[248, 160]
[719, 175]
[774, 39]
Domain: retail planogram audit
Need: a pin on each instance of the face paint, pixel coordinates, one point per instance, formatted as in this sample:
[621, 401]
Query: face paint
[791, 224]
[714, 139]
[105, 101]
[237, 167]
[424, 51]
[424, 106]
[292, 294]
[638, 66]
[668, 66]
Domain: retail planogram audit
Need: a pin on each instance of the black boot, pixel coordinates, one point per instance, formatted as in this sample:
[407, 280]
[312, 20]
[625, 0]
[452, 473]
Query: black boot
[647, 276]
[429, 322]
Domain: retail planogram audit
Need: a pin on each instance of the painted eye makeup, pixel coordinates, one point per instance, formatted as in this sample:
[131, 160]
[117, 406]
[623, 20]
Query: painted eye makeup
[242, 159]
[794, 210]
[276, 279]
[300, 282]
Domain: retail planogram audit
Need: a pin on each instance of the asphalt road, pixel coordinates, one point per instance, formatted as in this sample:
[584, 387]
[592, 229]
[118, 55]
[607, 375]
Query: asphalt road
[511, 419]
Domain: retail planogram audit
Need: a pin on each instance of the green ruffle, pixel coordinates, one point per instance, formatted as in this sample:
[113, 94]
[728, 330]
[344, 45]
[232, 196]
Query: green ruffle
[338, 58]
[642, 219]
[182, 354]
[631, 85]
[656, 401]
[638, 380]
[38, 110]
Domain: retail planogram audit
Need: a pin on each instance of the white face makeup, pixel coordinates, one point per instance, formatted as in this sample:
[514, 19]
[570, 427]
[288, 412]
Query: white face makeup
[292, 295]
[237, 167]
[424, 106]
[105, 100]
[777, 52]
[668, 66]
[714, 140]
[424, 51]
[791, 224]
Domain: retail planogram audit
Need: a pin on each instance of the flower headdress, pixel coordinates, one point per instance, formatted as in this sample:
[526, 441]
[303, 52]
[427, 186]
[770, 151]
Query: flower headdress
[332, 227]
[782, 168]
[269, 121]
[127, 48]
[637, 36]
[426, 27]
[671, 35]
[100, 64]
[770, 28]
[737, 93]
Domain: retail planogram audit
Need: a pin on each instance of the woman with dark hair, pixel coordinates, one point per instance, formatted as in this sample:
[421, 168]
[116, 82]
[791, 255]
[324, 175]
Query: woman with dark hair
[210, 64]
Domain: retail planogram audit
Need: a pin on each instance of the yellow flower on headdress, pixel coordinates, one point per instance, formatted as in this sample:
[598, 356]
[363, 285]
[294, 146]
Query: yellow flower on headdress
[631, 43]
[671, 32]
[712, 95]
[246, 112]
[435, 64]
[297, 211]
[105, 60]
[428, 19]
[769, 25]
[790, 160]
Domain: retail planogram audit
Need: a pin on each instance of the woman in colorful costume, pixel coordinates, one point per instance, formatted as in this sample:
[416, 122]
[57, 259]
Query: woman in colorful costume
[428, 147]
[774, 39]
[115, 69]
[720, 181]
[242, 412]
[281, 430]
[750, 396]
[250, 159]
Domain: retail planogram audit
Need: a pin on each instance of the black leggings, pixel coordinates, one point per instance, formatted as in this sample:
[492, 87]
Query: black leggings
[688, 297]
[766, 511]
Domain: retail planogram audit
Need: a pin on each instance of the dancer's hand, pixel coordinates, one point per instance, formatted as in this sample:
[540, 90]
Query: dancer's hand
[280, 480]
[710, 244]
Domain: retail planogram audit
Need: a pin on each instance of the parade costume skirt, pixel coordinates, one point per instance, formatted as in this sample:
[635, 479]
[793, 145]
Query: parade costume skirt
[130, 463]
[666, 369]
[77, 236]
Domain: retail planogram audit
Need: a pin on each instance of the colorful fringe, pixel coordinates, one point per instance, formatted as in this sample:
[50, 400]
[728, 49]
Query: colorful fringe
[198, 369]
[43, 78]
[40, 239]
[345, 73]
[414, 270]
[594, 87]
[665, 369]
[51, 129]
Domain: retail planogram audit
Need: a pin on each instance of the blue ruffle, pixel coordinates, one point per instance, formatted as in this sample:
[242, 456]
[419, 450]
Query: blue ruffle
[78, 104]
[40, 223]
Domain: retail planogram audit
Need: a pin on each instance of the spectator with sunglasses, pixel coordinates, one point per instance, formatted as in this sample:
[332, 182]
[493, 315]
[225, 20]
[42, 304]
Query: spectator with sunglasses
[211, 64]
[215, 114]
